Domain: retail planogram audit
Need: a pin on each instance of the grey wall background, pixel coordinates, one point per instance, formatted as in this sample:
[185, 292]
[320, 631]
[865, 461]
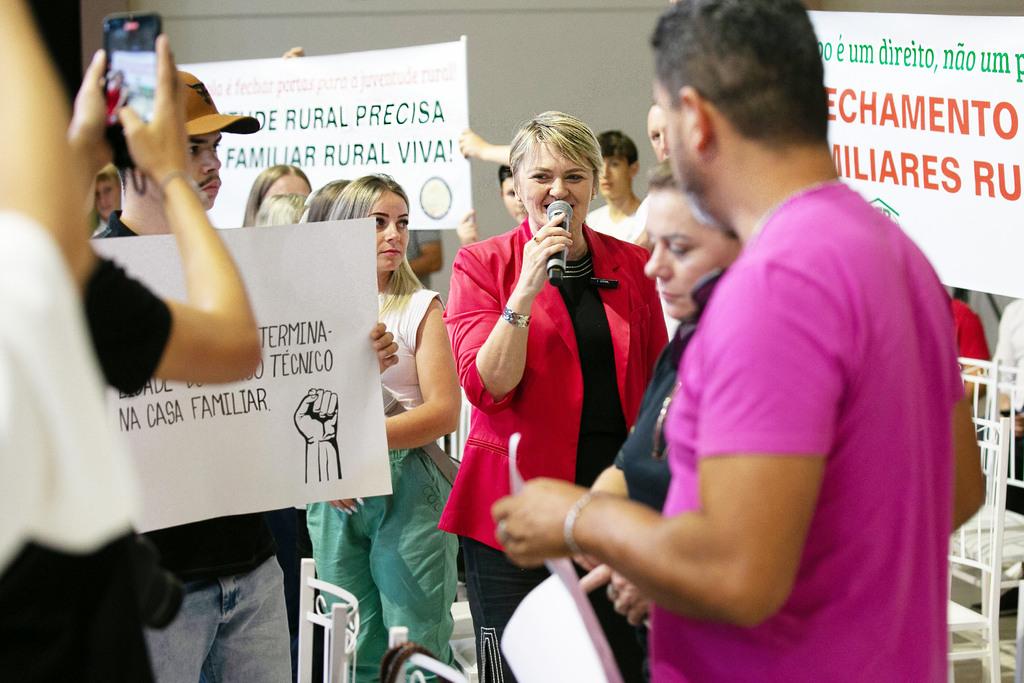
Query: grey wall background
[586, 57]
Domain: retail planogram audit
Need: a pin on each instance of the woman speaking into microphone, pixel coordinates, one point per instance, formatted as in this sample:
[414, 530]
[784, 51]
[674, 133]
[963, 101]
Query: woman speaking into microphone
[565, 366]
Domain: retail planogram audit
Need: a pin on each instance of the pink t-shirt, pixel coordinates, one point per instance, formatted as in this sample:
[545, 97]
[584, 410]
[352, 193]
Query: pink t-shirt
[831, 334]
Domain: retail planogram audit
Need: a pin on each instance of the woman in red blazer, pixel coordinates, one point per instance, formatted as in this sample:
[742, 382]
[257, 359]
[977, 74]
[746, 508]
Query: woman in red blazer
[565, 366]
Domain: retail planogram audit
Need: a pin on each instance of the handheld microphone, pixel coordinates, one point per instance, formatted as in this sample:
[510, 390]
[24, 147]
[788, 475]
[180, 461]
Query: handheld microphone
[556, 262]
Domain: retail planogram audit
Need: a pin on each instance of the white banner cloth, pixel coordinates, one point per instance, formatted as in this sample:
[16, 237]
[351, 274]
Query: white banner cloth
[205, 451]
[925, 122]
[397, 111]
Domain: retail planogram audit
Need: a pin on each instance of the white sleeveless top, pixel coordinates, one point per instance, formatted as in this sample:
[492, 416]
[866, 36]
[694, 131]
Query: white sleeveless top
[401, 379]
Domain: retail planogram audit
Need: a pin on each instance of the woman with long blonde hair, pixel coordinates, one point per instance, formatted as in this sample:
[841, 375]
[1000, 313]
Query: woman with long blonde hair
[388, 550]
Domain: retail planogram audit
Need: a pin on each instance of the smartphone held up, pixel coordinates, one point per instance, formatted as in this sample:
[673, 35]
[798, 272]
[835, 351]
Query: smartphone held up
[129, 40]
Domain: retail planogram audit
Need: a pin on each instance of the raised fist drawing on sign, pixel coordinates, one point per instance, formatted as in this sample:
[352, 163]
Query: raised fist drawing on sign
[316, 418]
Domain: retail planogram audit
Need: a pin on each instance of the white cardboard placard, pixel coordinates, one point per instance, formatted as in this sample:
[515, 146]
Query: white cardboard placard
[205, 451]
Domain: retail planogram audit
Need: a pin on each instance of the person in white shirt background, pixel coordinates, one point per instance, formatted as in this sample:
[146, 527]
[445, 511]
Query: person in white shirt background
[618, 216]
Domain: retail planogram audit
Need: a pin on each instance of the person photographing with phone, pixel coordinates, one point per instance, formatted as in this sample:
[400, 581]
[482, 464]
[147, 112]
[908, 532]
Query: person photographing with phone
[233, 624]
[248, 640]
[66, 488]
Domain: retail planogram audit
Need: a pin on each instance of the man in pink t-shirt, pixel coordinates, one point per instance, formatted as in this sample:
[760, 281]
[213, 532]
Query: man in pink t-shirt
[820, 444]
[830, 342]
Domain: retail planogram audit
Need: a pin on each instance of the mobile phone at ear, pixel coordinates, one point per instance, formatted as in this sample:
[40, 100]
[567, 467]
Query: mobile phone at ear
[129, 39]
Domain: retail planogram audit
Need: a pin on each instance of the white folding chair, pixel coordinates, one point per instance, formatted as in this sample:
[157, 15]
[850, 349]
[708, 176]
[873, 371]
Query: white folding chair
[994, 387]
[976, 551]
[463, 641]
[402, 663]
[419, 663]
[461, 432]
[454, 443]
[341, 627]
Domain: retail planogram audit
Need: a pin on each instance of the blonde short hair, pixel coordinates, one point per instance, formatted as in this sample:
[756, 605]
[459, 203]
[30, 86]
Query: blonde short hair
[356, 201]
[564, 134]
[281, 209]
[661, 179]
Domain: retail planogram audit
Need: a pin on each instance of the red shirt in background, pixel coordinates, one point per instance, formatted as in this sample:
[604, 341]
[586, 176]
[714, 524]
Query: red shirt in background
[970, 335]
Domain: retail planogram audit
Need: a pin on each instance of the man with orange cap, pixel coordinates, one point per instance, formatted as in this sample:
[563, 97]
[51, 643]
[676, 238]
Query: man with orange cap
[143, 212]
[232, 624]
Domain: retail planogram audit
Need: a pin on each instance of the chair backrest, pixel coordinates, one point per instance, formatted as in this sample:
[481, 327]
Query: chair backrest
[405, 662]
[340, 624]
[461, 433]
[979, 542]
[982, 380]
[434, 666]
[989, 382]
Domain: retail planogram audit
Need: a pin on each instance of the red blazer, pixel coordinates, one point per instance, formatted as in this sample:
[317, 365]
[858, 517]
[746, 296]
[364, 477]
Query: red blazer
[547, 405]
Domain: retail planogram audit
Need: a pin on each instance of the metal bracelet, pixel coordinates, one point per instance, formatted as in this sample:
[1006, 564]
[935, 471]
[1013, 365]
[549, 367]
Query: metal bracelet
[570, 521]
[509, 316]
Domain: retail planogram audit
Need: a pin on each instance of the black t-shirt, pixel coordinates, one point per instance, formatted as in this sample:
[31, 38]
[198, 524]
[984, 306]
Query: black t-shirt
[647, 476]
[213, 548]
[602, 423]
[646, 470]
[130, 327]
[115, 228]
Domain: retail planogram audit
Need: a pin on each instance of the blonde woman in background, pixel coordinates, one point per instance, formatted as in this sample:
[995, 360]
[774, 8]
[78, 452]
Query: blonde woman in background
[280, 179]
[388, 550]
[322, 201]
[281, 209]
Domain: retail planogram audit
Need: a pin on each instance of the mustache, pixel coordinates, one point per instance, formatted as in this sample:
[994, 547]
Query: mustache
[208, 179]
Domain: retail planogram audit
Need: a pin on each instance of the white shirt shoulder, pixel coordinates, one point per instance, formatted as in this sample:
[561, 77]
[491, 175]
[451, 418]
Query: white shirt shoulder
[66, 479]
[625, 230]
[402, 379]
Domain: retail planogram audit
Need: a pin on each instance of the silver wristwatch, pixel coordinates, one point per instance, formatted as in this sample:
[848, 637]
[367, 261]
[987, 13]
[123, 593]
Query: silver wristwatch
[514, 318]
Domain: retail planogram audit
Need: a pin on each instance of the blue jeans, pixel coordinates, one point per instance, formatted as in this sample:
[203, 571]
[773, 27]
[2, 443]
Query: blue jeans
[231, 629]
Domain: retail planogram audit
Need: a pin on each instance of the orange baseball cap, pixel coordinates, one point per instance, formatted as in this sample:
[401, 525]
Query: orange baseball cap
[202, 117]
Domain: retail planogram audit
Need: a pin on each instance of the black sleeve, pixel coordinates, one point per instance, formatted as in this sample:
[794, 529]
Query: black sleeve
[129, 326]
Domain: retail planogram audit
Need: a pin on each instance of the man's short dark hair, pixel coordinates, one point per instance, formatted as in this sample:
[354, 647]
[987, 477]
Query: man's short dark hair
[757, 61]
[504, 173]
[615, 144]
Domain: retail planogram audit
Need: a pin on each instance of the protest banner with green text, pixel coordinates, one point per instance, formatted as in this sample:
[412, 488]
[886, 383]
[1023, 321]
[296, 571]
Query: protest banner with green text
[397, 111]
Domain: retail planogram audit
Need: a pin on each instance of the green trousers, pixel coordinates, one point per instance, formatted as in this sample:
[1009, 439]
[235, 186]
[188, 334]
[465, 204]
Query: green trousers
[393, 558]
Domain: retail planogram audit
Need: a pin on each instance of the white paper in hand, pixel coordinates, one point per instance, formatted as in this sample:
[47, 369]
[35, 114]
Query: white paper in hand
[554, 634]
[545, 640]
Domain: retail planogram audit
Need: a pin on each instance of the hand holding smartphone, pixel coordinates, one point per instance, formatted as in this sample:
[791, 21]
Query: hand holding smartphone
[130, 42]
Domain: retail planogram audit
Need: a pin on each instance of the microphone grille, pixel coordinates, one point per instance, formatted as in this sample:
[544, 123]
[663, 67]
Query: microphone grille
[560, 206]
